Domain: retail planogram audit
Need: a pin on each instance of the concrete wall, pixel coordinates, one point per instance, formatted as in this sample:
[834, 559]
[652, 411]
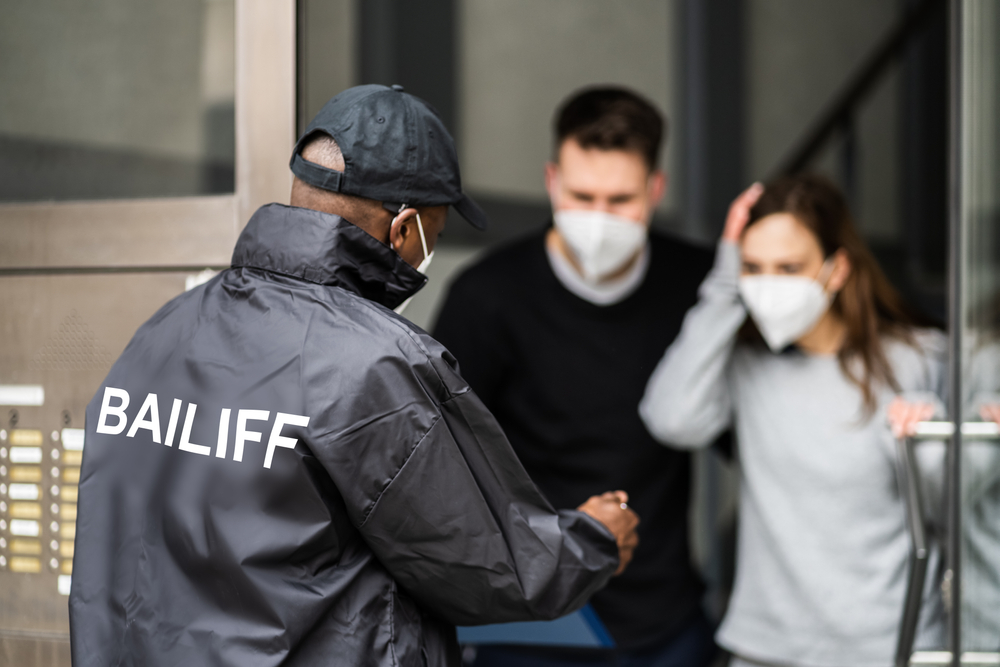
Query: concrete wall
[518, 59]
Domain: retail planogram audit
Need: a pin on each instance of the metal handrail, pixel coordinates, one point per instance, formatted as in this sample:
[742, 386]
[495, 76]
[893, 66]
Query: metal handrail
[839, 111]
[909, 481]
[970, 430]
[917, 526]
[944, 659]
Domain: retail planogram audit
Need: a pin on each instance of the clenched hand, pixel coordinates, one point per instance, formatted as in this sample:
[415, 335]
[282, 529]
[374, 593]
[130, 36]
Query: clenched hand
[611, 509]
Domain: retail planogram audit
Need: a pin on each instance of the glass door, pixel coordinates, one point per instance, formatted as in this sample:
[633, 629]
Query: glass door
[970, 586]
[976, 486]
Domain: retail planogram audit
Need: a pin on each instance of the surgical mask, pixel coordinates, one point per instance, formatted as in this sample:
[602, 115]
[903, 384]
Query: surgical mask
[785, 308]
[602, 243]
[422, 267]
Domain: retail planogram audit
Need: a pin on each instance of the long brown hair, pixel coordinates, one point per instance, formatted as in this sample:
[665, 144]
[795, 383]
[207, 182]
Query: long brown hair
[869, 306]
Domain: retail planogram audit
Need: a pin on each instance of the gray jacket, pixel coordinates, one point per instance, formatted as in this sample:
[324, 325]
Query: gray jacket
[281, 470]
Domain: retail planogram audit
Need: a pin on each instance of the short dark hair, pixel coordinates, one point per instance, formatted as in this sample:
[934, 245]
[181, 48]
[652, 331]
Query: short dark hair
[612, 118]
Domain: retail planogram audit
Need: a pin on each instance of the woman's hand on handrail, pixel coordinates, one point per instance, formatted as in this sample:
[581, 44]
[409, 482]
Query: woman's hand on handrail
[904, 416]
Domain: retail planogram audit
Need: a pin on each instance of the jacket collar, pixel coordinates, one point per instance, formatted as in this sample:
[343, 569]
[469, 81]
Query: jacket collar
[327, 250]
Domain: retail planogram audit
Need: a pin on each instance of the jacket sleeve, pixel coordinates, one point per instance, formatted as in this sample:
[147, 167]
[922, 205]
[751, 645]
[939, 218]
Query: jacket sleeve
[687, 400]
[463, 529]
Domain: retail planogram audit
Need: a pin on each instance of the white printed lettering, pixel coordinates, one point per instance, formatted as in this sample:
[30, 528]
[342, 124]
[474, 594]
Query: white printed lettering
[242, 434]
[175, 411]
[278, 440]
[186, 444]
[220, 445]
[148, 418]
[152, 424]
[116, 411]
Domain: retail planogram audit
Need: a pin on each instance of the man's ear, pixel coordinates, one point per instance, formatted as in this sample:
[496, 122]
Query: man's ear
[657, 187]
[841, 272]
[399, 229]
[552, 181]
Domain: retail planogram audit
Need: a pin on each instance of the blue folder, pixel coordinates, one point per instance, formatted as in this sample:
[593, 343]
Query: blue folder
[581, 629]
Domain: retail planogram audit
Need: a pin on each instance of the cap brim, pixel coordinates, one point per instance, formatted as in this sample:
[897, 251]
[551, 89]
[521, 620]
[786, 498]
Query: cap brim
[469, 209]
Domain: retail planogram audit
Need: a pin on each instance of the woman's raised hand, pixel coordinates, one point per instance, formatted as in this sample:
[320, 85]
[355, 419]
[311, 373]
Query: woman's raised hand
[739, 212]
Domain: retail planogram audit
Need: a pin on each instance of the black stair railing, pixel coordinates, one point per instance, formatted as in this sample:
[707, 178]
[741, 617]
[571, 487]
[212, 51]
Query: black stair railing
[838, 115]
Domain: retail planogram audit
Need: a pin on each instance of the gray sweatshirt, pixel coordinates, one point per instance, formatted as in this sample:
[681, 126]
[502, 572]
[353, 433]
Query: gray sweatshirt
[822, 546]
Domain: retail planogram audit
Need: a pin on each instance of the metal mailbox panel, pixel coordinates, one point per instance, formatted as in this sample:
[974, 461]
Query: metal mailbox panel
[61, 333]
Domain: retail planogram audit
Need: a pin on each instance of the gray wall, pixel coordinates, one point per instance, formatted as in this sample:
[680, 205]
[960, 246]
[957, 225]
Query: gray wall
[518, 59]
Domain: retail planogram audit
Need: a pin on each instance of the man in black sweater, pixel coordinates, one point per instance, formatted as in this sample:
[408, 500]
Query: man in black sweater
[558, 334]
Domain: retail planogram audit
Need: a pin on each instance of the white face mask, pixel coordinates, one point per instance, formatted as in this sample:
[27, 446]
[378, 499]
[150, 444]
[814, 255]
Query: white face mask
[601, 243]
[423, 266]
[785, 308]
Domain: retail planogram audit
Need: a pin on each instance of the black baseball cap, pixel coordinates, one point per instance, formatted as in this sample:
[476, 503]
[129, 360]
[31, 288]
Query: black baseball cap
[396, 151]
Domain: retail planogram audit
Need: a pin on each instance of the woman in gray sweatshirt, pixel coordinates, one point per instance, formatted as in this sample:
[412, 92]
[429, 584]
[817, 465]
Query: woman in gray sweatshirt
[807, 384]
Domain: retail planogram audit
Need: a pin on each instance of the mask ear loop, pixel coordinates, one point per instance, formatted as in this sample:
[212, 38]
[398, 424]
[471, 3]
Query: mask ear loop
[423, 239]
[827, 268]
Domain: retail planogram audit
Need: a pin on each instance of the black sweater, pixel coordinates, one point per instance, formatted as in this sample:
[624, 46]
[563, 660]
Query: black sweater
[564, 378]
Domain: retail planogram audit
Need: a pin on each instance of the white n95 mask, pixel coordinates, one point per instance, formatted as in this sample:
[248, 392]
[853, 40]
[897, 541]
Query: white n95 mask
[422, 267]
[601, 242]
[785, 308]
